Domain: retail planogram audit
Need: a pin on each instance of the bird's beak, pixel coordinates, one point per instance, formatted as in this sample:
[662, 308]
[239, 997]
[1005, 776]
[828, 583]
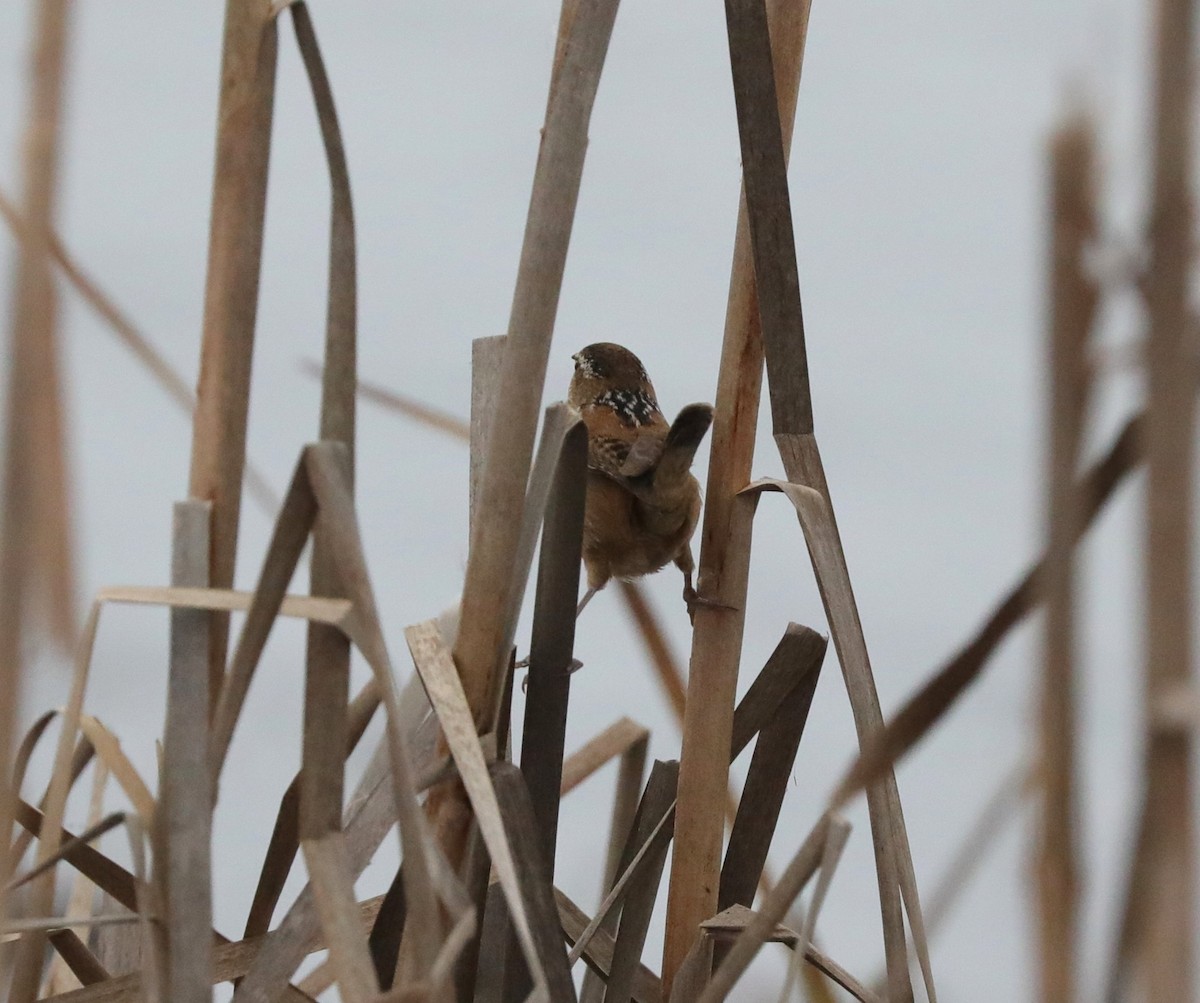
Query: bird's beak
[575, 358]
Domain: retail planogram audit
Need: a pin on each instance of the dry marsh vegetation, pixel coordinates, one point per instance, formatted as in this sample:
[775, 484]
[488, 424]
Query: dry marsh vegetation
[473, 912]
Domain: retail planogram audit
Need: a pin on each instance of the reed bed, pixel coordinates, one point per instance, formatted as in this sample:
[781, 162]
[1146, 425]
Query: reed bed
[472, 912]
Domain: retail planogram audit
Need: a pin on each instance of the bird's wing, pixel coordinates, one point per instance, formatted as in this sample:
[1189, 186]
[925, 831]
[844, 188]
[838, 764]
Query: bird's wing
[607, 454]
[642, 455]
[618, 449]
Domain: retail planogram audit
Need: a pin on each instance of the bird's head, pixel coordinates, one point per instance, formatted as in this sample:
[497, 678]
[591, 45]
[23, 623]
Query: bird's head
[606, 366]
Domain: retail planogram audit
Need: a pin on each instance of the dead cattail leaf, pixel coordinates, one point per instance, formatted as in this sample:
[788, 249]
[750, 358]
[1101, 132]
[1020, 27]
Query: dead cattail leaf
[285, 837]
[332, 881]
[598, 953]
[737, 918]
[552, 641]
[151, 359]
[931, 702]
[410, 407]
[1073, 299]
[774, 907]
[436, 667]
[35, 549]
[230, 961]
[1165, 946]
[246, 105]
[488, 590]
[626, 797]
[91, 833]
[73, 956]
[639, 900]
[615, 740]
[72, 966]
[724, 552]
[893, 858]
[106, 875]
[776, 709]
[183, 840]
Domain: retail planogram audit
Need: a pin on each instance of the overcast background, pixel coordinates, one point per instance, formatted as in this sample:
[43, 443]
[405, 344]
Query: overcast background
[918, 192]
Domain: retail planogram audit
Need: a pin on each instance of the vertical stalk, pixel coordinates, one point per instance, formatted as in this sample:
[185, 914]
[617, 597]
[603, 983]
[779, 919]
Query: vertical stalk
[34, 540]
[1072, 306]
[724, 560]
[231, 290]
[1168, 939]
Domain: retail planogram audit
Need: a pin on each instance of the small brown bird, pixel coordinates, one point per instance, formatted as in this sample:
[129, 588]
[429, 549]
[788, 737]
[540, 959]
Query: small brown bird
[642, 500]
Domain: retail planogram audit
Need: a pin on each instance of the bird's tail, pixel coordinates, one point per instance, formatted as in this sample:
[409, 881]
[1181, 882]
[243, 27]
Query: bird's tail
[687, 432]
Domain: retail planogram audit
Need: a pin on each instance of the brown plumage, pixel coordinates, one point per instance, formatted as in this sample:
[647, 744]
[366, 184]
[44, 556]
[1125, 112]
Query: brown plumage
[642, 500]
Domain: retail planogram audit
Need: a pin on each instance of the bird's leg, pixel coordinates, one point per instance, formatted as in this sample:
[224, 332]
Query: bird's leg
[587, 598]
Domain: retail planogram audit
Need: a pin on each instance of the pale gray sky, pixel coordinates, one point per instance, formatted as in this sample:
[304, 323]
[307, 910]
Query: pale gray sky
[917, 189]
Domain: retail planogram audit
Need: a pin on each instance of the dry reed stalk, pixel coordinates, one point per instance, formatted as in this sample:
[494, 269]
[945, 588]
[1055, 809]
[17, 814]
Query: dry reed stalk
[152, 360]
[785, 689]
[630, 772]
[106, 875]
[734, 921]
[599, 952]
[781, 318]
[1167, 941]
[548, 681]
[230, 961]
[285, 837]
[442, 683]
[724, 557]
[487, 364]
[93, 832]
[74, 957]
[243, 145]
[410, 407]
[27, 964]
[183, 847]
[774, 907]
[322, 483]
[634, 920]
[149, 356]
[998, 811]
[81, 903]
[1073, 299]
[34, 403]
[480, 649]
[894, 868]
[34, 539]
[665, 664]
[327, 675]
[537, 890]
[494, 542]
[785, 671]
[553, 640]
[616, 740]
[948, 683]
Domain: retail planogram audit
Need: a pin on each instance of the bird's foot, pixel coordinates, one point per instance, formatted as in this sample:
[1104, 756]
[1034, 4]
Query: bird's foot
[574, 667]
[695, 600]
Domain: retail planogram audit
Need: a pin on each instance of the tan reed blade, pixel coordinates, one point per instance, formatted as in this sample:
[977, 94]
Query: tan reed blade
[1073, 300]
